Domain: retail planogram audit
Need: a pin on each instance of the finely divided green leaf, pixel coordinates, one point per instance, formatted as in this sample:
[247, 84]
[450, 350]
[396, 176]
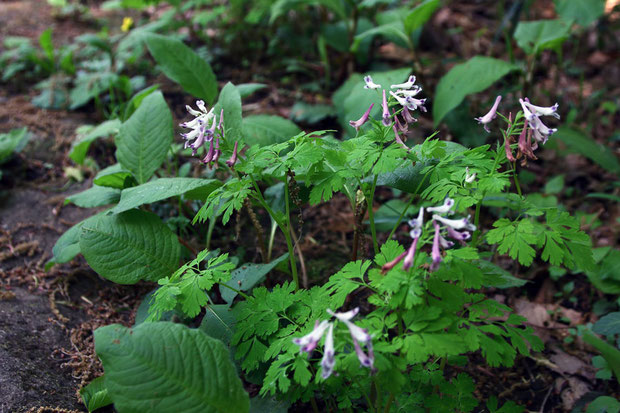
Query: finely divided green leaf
[130, 247]
[184, 66]
[144, 139]
[165, 367]
[473, 76]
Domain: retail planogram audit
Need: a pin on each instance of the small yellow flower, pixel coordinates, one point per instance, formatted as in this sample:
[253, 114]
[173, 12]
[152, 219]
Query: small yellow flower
[127, 23]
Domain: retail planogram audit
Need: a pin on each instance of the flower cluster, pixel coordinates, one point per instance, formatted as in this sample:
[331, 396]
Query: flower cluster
[456, 229]
[359, 335]
[405, 96]
[533, 127]
[201, 134]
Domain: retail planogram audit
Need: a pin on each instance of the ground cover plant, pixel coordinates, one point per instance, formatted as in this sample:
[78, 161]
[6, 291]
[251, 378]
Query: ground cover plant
[406, 238]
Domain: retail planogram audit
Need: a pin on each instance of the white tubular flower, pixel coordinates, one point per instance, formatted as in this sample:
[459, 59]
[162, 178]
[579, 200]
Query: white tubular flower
[328, 361]
[456, 223]
[407, 85]
[543, 110]
[399, 99]
[309, 342]
[198, 127]
[346, 316]
[469, 178]
[447, 206]
[370, 84]
[541, 131]
[417, 223]
[409, 93]
[526, 111]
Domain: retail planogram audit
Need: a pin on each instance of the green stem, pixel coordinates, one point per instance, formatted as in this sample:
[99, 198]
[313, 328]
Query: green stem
[474, 240]
[371, 215]
[287, 233]
[389, 403]
[241, 293]
[402, 214]
[514, 174]
[282, 225]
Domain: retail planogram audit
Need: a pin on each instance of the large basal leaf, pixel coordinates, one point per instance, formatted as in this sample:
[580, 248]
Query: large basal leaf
[95, 196]
[184, 66]
[165, 367]
[267, 129]
[473, 76]
[12, 142]
[609, 325]
[81, 145]
[219, 322]
[247, 276]
[352, 100]
[130, 247]
[95, 395]
[420, 15]
[536, 36]
[583, 12]
[67, 246]
[230, 101]
[114, 176]
[144, 139]
[163, 188]
[577, 141]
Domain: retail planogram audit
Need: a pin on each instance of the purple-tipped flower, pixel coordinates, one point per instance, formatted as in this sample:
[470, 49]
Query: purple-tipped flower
[543, 110]
[309, 342]
[210, 154]
[407, 85]
[486, 119]
[410, 257]
[220, 125]
[407, 116]
[446, 208]
[370, 84]
[199, 133]
[457, 224]
[328, 361]
[357, 124]
[436, 252]
[389, 265]
[532, 112]
[397, 137]
[233, 159]
[461, 236]
[540, 131]
[387, 121]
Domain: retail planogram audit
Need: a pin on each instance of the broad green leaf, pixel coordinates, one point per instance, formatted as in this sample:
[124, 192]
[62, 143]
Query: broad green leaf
[248, 89]
[390, 30]
[473, 76]
[577, 141]
[45, 41]
[583, 12]
[130, 247]
[184, 66]
[536, 36]
[162, 188]
[67, 246]
[351, 100]
[230, 101]
[219, 322]
[136, 100]
[495, 276]
[115, 176]
[82, 143]
[420, 15]
[604, 404]
[95, 395]
[609, 352]
[309, 113]
[606, 275]
[265, 130]
[165, 367]
[95, 196]
[260, 404]
[608, 325]
[247, 276]
[12, 142]
[144, 139]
